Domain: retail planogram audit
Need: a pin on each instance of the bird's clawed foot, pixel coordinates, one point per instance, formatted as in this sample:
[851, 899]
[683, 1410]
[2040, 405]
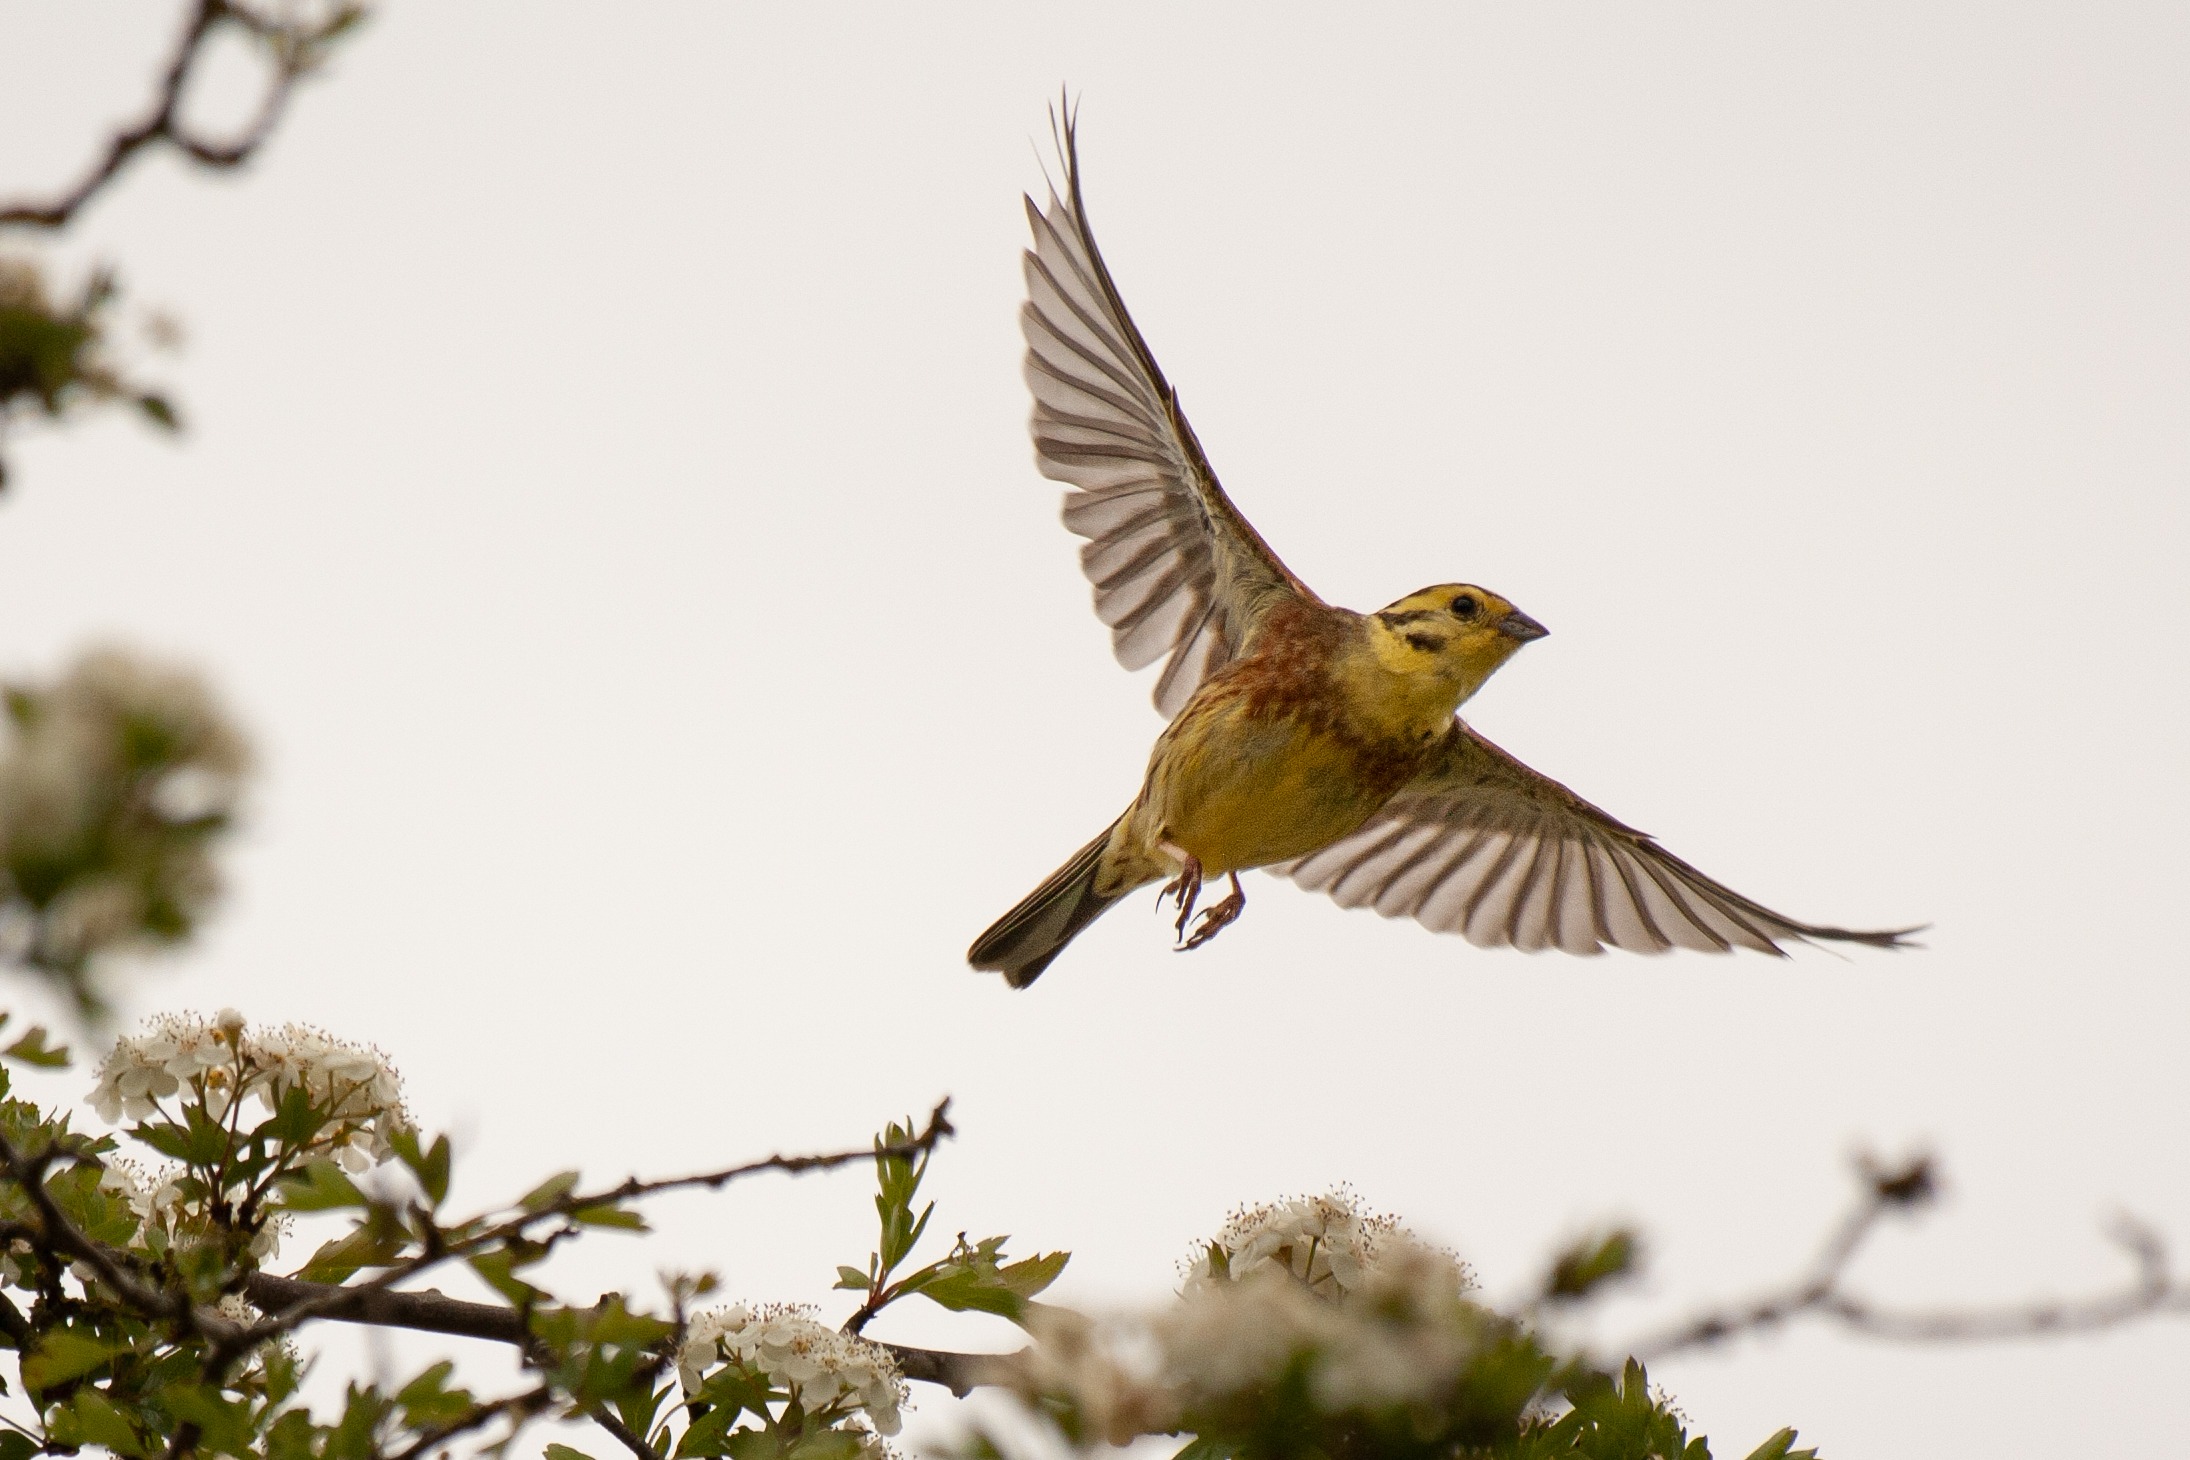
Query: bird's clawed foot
[1186, 887]
[1215, 918]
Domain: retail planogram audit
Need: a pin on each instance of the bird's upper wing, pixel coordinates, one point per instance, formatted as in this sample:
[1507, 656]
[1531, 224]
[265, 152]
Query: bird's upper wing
[1479, 844]
[1176, 569]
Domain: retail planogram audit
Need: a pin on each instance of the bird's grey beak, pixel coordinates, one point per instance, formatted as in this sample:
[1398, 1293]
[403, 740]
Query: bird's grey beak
[1518, 625]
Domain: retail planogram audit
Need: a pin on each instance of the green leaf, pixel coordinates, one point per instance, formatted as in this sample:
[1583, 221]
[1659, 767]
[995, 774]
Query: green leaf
[158, 410]
[499, 1269]
[851, 1278]
[1590, 1263]
[549, 1192]
[555, 1451]
[339, 1260]
[826, 1445]
[32, 1049]
[15, 1445]
[1207, 1447]
[707, 1435]
[66, 1354]
[606, 1215]
[295, 1122]
[319, 1187]
[430, 1166]
[1781, 1447]
[92, 1419]
[428, 1402]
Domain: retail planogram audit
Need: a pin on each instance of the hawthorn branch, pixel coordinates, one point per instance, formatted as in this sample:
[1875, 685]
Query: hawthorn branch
[623, 1433]
[434, 1312]
[2153, 1290]
[296, 48]
[481, 1237]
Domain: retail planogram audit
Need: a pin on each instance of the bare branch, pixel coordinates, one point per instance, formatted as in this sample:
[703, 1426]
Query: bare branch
[2153, 1290]
[625, 1435]
[296, 47]
[519, 1408]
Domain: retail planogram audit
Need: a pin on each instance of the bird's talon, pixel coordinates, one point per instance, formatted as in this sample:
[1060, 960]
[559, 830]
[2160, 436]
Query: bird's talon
[1186, 887]
[1214, 919]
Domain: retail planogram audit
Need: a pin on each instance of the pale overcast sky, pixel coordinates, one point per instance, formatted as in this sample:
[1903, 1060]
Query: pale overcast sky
[608, 502]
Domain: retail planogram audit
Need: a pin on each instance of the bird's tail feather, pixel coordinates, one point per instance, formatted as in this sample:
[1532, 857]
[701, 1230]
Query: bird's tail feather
[1023, 941]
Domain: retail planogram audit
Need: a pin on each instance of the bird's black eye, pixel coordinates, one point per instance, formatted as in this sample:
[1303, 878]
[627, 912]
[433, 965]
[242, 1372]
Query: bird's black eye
[1465, 606]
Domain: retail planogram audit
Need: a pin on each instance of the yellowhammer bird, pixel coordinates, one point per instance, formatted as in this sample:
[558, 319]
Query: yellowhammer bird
[1313, 741]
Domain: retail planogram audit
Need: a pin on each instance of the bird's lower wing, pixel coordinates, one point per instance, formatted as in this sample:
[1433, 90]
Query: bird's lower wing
[1478, 844]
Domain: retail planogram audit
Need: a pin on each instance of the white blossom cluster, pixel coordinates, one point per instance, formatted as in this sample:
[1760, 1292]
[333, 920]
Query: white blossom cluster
[218, 1062]
[165, 1212]
[110, 757]
[1401, 1337]
[819, 1367]
[1325, 1241]
[1379, 1319]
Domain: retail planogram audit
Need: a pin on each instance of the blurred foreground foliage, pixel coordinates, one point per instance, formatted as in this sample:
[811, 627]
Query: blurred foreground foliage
[139, 1314]
[56, 358]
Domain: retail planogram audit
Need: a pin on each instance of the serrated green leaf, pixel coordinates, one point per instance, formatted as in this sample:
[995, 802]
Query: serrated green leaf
[1781, 1447]
[429, 1403]
[32, 1049]
[1586, 1265]
[549, 1192]
[851, 1278]
[320, 1187]
[91, 1419]
[1031, 1275]
[66, 1354]
[339, 1260]
[826, 1445]
[499, 1269]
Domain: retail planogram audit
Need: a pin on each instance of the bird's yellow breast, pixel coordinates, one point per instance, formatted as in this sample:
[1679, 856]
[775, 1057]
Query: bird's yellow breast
[1238, 788]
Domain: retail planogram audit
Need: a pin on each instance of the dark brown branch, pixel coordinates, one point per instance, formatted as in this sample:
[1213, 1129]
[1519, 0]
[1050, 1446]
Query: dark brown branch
[2154, 1290]
[29, 1173]
[930, 1136]
[295, 47]
[517, 1227]
[519, 1407]
[625, 1435]
[432, 1312]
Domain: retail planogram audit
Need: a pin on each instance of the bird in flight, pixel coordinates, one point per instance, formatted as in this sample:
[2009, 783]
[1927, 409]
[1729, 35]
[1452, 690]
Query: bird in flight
[1317, 743]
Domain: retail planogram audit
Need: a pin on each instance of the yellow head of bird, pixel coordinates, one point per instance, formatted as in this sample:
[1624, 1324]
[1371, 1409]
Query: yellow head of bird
[1453, 637]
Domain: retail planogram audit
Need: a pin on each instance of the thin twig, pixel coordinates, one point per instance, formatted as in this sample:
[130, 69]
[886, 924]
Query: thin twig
[520, 1407]
[295, 49]
[516, 1228]
[2153, 1290]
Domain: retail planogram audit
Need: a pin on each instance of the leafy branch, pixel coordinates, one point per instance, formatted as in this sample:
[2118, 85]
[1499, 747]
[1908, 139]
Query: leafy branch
[972, 1277]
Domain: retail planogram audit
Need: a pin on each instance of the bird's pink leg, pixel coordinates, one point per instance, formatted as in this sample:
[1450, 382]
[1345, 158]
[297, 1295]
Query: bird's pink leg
[1217, 918]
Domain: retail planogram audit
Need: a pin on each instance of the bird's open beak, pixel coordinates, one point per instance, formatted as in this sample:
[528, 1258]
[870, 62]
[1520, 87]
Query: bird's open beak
[1518, 625]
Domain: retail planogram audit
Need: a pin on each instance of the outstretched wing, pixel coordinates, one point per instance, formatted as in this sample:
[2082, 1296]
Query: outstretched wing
[1177, 571]
[1478, 844]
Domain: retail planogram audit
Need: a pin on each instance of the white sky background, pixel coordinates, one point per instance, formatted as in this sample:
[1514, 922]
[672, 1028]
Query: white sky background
[608, 501]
